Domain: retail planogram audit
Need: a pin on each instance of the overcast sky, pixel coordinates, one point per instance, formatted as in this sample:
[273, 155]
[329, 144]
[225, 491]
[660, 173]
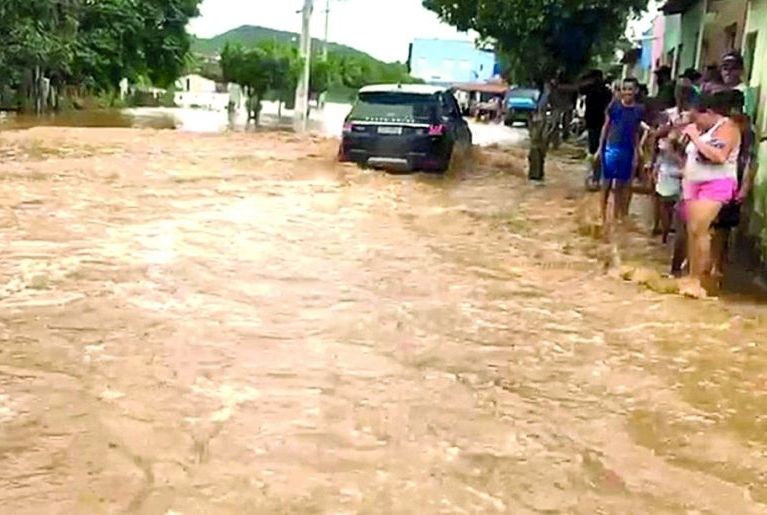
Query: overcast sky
[382, 28]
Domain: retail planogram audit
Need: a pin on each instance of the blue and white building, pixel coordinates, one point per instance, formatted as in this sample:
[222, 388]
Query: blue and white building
[444, 62]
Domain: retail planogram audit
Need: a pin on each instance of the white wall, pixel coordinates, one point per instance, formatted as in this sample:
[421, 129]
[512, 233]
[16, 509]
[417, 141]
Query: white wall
[195, 84]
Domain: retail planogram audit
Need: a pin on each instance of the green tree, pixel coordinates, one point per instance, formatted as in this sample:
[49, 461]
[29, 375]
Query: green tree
[320, 76]
[286, 69]
[36, 42]
[254, 70]
[92, 45]
[542, 40]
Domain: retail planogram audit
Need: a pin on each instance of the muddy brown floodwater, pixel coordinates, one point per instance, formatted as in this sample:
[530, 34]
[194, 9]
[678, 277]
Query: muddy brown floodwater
[234, 324]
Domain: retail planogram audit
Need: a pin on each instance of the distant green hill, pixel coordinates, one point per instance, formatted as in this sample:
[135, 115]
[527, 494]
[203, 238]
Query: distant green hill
[249, 35]
[351, 68]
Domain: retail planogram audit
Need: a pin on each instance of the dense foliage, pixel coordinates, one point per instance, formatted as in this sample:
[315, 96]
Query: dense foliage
[267, 67]
[93, 44]
[542, 38]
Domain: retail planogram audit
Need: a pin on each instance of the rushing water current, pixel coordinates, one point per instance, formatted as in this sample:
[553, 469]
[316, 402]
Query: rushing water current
[199, 324]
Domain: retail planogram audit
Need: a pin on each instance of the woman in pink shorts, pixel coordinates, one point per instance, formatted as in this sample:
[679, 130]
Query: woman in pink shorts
[710, 178]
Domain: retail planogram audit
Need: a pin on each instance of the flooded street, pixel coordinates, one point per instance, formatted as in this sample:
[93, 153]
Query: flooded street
[232, 323]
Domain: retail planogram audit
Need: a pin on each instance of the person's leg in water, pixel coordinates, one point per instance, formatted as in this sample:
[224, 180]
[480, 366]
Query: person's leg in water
[666, 217]
[607, 190]
[616, 168]
[656, 214]
[636, 172]
[701, 213]
[719, 244]
[596, 159]
[728, 219]
[679, 255]
[622, 198]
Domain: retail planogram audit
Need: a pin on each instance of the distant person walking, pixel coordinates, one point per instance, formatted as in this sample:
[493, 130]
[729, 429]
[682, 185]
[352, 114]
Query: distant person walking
[619, 149]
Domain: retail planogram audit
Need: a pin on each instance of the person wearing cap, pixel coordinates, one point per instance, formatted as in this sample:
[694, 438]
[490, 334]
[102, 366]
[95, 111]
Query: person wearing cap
[731, 69]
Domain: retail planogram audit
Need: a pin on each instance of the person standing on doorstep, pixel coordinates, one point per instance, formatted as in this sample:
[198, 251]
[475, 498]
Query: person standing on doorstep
[732, 68]
[710, 180]
[729, 217]
[730, 75]
[729, 79]
[597, 97]
[619, 148]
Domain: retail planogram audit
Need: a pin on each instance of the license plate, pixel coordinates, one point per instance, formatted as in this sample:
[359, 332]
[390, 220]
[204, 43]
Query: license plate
[389, 130]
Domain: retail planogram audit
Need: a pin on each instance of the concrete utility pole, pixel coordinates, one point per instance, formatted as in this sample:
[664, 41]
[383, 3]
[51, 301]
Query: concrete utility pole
[321, 101]
[302, 91]
[327, 30]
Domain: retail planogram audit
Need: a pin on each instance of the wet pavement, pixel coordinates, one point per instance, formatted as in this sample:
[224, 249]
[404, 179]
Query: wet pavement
[235, 324]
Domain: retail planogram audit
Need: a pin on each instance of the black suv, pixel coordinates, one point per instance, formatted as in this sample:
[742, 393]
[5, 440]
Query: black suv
[404, 127]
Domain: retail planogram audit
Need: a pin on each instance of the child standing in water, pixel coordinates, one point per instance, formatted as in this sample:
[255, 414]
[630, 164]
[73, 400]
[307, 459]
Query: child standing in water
[671, 161]
[668, 183]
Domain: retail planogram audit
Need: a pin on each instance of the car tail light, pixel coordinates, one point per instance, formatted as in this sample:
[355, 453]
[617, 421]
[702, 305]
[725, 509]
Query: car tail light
[348, 127]
[436, 130]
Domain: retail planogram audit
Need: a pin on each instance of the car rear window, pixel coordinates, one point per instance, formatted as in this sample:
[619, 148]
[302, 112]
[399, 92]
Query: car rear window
[395, 107]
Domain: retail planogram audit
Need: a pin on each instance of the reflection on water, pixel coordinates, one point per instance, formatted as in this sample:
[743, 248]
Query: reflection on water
[137, 118]
[184, 119]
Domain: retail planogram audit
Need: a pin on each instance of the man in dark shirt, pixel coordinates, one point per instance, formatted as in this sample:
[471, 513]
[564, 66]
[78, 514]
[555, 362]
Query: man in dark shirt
[666, 87]
[598, 97]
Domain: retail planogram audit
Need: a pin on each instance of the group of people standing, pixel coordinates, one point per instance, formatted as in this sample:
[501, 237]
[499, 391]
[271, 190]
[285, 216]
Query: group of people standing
[693, 143]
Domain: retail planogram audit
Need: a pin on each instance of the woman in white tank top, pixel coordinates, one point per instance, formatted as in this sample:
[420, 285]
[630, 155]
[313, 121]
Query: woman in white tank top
[710, 179]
